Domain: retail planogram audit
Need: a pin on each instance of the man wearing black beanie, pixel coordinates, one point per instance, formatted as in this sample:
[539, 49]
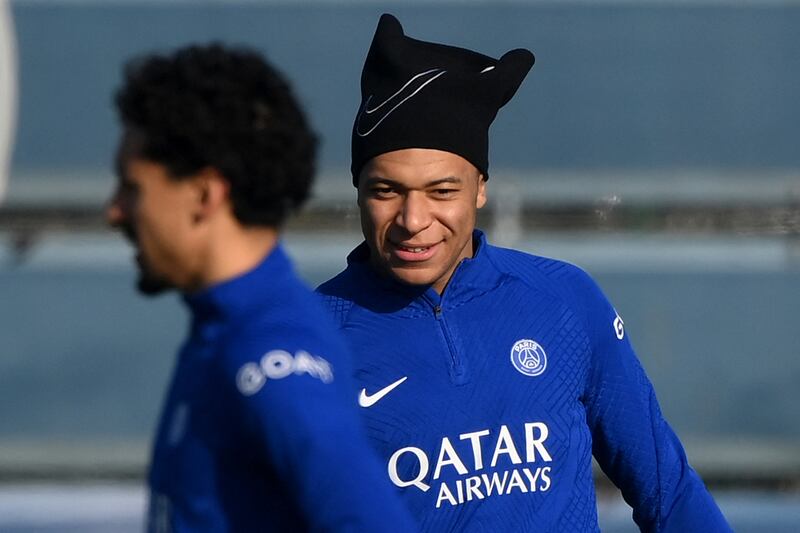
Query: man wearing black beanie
[490, 377]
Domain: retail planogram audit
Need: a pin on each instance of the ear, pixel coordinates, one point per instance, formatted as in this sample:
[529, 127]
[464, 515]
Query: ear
[480, 201]
[212, 194]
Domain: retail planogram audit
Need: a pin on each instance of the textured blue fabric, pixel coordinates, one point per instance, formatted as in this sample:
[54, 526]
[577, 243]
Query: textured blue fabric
[515, 376]
[259, 431]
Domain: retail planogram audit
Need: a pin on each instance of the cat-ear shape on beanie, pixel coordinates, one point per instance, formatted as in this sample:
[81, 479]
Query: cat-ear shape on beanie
[418, 94]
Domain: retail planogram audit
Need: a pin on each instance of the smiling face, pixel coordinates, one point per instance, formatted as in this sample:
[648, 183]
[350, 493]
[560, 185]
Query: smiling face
[418, 209]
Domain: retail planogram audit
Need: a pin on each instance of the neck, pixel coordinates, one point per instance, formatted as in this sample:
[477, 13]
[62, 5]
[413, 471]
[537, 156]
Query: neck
[234, 250]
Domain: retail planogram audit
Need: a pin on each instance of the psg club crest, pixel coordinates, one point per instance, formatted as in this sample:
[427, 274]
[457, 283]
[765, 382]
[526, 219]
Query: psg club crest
[528, 357]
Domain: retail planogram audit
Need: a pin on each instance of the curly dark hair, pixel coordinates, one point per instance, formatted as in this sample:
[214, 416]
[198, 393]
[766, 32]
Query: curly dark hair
[227, 108]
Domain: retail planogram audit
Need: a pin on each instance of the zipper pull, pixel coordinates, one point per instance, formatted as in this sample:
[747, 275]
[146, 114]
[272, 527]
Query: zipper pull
[437, 311]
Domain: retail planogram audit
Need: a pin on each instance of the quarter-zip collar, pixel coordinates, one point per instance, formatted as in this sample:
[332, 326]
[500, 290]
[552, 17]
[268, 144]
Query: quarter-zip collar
[238, 296]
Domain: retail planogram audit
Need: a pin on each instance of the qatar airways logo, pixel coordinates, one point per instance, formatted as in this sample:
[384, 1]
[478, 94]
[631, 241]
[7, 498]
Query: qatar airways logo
[278, 364]
[532, 475]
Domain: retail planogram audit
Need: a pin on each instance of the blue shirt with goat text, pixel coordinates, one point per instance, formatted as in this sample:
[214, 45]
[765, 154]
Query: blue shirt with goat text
[259, 430]
[488, 402]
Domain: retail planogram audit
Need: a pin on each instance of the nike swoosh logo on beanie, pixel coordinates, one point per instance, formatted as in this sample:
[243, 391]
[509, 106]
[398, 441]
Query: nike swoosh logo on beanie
[370, 118]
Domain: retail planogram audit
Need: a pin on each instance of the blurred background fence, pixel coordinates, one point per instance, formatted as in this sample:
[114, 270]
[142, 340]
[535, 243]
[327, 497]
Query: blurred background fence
[655, 143]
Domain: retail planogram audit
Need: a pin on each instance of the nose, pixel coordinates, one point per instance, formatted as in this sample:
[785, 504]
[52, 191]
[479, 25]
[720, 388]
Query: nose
[415, 214]
[115, 213]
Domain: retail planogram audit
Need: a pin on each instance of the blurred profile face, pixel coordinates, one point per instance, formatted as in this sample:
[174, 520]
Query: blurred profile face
[155, 212]
[418, 210]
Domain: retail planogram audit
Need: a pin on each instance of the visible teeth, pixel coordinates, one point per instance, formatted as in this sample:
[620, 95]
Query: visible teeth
[415, 250]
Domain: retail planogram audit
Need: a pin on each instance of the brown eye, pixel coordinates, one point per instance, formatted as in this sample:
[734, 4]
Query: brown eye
[382, 191]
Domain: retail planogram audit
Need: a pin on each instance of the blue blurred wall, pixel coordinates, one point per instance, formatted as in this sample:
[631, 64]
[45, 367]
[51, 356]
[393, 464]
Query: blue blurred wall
[616, 85]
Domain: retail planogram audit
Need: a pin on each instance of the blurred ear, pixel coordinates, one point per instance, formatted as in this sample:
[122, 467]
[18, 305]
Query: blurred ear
[212, 193]
[481, 198]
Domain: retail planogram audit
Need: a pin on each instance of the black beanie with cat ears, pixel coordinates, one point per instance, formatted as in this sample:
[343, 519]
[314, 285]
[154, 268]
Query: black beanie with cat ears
[417, 94]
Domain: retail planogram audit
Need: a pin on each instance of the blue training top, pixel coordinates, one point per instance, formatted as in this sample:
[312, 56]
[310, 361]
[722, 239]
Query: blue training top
[487, 403]
[259, 431]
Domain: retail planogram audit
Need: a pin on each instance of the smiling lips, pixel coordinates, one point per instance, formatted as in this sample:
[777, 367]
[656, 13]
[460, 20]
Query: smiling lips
[414, 253]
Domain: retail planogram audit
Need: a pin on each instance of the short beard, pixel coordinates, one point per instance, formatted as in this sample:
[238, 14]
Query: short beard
[150, 285]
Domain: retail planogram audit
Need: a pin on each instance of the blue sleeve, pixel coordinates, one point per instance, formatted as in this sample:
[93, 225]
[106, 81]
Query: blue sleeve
[632, 442]
[303, 417]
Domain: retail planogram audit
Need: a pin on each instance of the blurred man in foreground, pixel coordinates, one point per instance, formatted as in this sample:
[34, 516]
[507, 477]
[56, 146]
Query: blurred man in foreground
[489, 376]
[258, 432]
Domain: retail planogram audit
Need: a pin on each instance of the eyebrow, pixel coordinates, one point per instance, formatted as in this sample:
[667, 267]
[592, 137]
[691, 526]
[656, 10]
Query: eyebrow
[375, 180]
[450, 179]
